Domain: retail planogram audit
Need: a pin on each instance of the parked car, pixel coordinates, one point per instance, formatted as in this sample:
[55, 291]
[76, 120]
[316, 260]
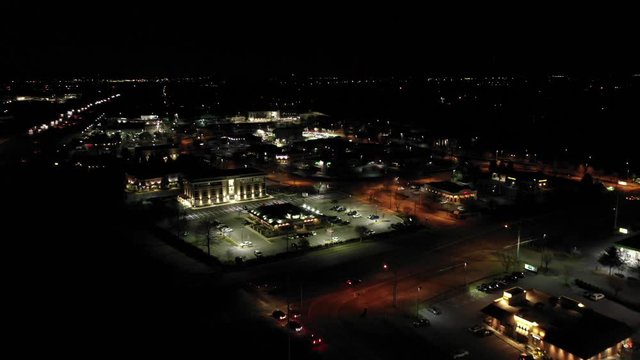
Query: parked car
[257, 253]
[596, 296]
[483, 333]
[434, 310]
[351, 282]
[294, 325]
[374, 217]
[279, 314]
[460, 353]
[476, 327]
[418, 323]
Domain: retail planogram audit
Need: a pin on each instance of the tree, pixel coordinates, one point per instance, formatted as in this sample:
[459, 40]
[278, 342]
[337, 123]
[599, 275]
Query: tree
[567, 271]
[617, 284]
[303, 243]
[510, 167]
[493, 166]
[361, 231]
[206, 226]
[125, 153]
[507, 260]
[611, 258]
[587, 180]
[546, 256]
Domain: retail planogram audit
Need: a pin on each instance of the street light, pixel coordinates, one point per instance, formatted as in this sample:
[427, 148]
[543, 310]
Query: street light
[615, 216]
[465, 275]
[418, 300]
[506, 226]
[395, 282]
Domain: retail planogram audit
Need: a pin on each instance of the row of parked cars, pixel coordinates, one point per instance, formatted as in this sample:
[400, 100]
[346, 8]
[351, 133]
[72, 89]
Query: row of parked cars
[501, 283]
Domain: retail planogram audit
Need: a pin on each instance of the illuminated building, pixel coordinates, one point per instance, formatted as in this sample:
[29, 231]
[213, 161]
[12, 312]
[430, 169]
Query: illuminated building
[450, 191]
[223, 186]
[263, 116]
[557, 327]
[630, 249]
[285, 217]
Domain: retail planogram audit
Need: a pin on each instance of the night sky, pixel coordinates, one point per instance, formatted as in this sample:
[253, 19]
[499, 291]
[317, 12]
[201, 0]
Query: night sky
[151, 40]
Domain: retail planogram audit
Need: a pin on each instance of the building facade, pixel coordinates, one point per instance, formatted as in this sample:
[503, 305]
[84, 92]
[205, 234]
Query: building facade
[286, 217]
[451, 191]
[557, 328]
[630, 249]
[223, 186]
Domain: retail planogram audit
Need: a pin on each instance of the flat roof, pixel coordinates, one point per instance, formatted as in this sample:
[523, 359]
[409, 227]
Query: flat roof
[632, 242]
[515, 290]
[199, 175]
[285, 211]
[574, 328]
[448, 186]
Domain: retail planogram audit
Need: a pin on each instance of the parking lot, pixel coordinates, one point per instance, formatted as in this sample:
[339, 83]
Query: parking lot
[238, 239]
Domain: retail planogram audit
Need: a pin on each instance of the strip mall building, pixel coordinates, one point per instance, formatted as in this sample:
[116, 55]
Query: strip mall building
[557, 328]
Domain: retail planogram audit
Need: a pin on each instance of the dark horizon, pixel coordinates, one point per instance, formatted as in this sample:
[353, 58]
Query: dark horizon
[55, 42]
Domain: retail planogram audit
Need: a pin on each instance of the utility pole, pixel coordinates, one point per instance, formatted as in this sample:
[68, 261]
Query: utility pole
[395, 282]
[209, 238]
[288, 319]
[395, 286]
[418, 300]
[178, 217]
[518, 247]
[465, 275]
[615, 217]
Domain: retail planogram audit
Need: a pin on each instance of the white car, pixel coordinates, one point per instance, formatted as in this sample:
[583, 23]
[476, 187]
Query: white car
[596, 296]
[460, 353]
[246, 244]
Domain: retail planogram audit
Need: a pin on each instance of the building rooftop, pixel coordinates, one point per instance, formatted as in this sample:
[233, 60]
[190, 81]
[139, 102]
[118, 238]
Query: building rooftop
[567, 323]
[207, 174]
[632, 242]
[448, 186]
[281, 212]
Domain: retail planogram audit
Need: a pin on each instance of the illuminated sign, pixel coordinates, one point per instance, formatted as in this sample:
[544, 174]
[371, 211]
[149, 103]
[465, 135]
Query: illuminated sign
[531, 268]
[623, 230]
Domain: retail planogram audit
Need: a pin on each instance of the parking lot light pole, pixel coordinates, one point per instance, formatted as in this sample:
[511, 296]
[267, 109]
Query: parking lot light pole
[418, 300]
[518, 242]
[395, 282]
[465, 275]
[518, 247]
